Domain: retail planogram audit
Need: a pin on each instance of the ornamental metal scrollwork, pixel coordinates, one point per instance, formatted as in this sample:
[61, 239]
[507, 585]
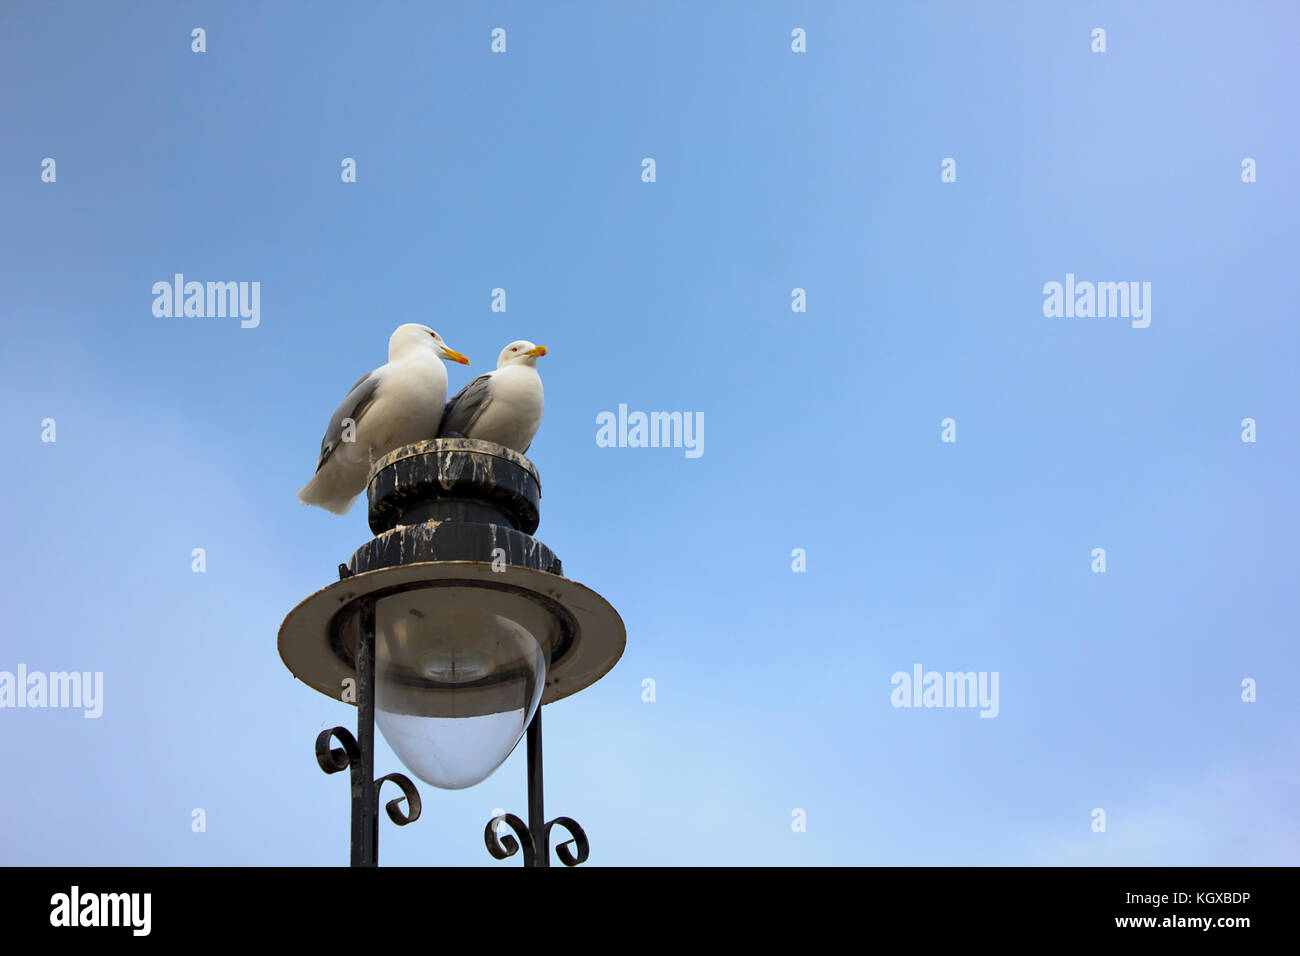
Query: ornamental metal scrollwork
[336, 759]
[394, 806]
[365, 793]
[501, 849]
[567, 856]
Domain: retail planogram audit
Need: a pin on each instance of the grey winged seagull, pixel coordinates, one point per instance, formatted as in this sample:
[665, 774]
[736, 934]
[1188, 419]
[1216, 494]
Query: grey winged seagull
[396, 404]
[502, 406]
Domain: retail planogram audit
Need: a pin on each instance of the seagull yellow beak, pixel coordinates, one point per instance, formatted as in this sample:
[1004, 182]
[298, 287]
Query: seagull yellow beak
[537, 352]
[454, 355]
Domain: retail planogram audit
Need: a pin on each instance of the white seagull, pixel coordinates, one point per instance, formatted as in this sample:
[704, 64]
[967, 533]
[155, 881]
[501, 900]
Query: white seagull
[504, 406]
[394, 405]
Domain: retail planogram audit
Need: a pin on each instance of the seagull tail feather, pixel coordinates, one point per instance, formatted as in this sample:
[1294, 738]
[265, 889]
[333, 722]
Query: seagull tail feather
[327, 490]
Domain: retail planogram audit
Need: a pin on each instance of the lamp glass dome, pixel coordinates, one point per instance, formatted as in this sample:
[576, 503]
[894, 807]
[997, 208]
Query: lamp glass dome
[459, 674]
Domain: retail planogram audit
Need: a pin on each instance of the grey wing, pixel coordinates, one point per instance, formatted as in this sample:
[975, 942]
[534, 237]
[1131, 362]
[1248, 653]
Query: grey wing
[466, 406]
[359, 398]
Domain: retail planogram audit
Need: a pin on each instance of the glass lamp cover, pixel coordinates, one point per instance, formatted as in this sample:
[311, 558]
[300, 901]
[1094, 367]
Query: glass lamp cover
[459, 673]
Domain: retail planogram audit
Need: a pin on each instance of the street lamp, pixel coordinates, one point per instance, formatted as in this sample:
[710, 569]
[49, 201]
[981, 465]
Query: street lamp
[450, 629]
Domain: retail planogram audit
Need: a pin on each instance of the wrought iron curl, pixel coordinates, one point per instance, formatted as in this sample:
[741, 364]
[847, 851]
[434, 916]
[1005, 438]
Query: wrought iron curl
[332, 760]
[501, 849]
[394, 806]
[567, 856]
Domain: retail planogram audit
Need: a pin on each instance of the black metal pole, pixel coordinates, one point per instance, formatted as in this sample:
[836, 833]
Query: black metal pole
[536, 808]
[365, 803]
[357, 755]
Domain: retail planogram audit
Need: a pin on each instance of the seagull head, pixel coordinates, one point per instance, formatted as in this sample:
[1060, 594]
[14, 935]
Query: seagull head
[413, 336]
[520, 353]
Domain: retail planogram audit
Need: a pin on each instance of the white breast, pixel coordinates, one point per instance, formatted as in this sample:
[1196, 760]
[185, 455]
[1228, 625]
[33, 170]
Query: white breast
[407, 408]
[514, 414]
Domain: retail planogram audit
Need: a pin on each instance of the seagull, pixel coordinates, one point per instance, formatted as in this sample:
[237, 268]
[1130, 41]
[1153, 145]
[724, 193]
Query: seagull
[504, 406]
[394, 405]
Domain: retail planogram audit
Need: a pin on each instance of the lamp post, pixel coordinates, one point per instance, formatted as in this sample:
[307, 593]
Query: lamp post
[450, 629]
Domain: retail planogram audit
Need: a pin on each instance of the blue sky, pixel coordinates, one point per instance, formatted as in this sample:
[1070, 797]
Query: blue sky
[774, 171]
